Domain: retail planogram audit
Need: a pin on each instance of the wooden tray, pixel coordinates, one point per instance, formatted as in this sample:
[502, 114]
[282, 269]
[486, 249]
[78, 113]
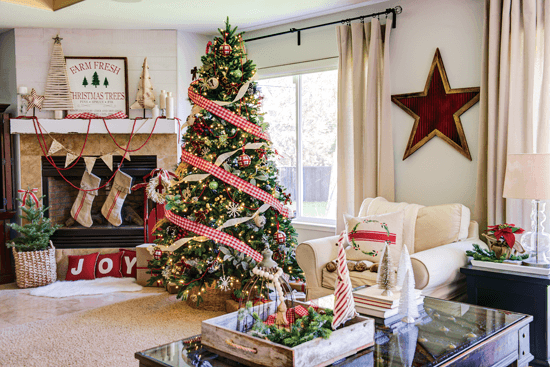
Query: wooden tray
[218, 332]
[511, 267]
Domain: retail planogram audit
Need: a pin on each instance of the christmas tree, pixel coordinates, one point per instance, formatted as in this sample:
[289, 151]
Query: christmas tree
[95, 79]
[57, 94]
[145, 97]
[85, 82]
[36, 233]
[227, 204]
[106, 83]
[407, 302]
[386, 274]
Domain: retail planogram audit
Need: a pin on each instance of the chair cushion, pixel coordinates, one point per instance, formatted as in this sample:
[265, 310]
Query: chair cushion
[440, 225]
[357, 278]
[369, 234]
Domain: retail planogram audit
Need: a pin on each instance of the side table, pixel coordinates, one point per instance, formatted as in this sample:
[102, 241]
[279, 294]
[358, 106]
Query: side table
[516, 292]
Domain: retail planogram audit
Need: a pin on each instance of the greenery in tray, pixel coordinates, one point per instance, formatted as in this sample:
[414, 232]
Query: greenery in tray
[312, 326]
[35, 235]
[483, 255]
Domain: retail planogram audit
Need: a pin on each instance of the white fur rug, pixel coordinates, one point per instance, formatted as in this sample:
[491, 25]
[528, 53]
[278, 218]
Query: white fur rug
[62, 289]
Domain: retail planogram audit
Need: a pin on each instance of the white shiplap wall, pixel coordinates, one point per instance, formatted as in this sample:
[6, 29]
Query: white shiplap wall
[33, 47]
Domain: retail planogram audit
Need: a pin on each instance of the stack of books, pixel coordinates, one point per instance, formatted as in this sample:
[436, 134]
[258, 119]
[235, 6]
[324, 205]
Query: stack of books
[370, 301]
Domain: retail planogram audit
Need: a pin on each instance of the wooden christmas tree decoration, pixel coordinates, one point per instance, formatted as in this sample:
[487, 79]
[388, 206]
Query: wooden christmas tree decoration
[145, 97]
[386, 278]
[407, 302]
[58, 91]
[404, 265]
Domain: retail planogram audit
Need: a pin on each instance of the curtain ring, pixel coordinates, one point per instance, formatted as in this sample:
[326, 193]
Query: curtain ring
[362, 20]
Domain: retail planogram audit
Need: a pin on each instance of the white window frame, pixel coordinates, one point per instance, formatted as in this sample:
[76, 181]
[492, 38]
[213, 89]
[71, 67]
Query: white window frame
[297, 78]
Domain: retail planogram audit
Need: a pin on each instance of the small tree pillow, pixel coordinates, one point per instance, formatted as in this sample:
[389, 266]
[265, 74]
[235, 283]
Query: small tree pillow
[368, 235]
[81, 267]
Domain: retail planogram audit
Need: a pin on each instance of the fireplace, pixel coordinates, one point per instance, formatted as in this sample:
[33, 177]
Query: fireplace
[60, 196]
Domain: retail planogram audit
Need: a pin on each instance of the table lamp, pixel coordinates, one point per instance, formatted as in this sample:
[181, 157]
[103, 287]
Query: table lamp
[528, 177]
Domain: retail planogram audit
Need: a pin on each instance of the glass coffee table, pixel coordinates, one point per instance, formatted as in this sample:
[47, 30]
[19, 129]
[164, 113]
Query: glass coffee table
[447, 333]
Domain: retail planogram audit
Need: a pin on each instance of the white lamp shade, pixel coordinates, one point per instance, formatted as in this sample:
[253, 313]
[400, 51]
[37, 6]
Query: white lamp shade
[527, 177]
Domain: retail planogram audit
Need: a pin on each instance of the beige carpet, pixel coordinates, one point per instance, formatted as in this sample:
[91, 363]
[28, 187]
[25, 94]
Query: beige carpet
[106, 336]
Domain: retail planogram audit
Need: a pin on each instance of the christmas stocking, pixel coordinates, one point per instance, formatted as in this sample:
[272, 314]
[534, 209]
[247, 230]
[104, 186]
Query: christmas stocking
[113, 205]
[82, 207]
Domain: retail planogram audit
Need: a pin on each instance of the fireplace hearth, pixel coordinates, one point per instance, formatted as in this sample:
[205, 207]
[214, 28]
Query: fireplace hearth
[60, 196]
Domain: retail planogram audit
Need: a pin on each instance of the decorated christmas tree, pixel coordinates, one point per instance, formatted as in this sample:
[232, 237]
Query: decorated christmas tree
[227, 205]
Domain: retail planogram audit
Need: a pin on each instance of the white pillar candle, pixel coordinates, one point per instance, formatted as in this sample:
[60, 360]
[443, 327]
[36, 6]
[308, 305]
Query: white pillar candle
[169, 105]
[58, 114]
[162, 99]
[155, 112]
[22, 90]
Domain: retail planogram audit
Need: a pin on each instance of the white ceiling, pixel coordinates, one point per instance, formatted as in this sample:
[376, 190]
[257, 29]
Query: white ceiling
[198, 16]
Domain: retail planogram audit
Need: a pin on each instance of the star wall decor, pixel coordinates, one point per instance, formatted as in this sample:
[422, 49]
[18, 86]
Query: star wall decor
[437, 109]
[34, 100]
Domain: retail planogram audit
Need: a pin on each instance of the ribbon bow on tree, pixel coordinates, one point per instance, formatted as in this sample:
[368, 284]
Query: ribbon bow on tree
[30, 193]
[506, 231]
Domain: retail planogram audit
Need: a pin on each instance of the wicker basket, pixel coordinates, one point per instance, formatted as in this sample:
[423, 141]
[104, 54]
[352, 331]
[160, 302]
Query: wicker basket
[35, 268]
[213, 299]
[501, 248]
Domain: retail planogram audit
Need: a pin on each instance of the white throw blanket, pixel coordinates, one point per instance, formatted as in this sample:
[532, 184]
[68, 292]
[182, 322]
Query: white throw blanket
[61, 289]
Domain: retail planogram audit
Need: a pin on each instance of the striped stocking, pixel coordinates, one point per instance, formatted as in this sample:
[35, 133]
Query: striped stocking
[113, 204]
[82, 207]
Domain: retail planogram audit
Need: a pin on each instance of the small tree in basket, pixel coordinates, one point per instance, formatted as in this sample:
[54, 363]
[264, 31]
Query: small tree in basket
[35, 235]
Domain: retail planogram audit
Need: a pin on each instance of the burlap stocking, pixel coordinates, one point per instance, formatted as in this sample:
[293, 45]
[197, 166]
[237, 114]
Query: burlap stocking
[81, 210]
[113, 205]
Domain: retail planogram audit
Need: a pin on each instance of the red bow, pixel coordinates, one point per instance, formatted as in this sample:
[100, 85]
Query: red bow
[506, 231]
[32, 195]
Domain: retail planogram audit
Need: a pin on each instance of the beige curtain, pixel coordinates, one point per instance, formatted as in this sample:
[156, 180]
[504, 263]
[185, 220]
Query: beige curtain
[364, 137]
[514, 109]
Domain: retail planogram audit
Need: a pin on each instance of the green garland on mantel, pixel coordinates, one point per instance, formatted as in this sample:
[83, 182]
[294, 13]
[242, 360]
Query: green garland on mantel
[483, 255]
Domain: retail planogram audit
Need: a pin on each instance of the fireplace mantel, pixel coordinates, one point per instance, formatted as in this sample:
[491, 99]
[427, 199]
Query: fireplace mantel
[77, 126]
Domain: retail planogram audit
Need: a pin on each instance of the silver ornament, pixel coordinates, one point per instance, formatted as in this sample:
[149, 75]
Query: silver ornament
[259, 220]
[213, 83]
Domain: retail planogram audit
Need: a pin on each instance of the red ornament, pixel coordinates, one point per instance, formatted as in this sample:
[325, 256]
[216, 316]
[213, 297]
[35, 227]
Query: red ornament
[157, 254]
[437, 109]
[225, 49]
[244, 160]
[280, 237]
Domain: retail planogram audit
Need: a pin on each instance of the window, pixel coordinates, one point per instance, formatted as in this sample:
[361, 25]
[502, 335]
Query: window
[301, 112]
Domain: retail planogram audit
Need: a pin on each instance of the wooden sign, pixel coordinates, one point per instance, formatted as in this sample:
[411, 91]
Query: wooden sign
[98, 84]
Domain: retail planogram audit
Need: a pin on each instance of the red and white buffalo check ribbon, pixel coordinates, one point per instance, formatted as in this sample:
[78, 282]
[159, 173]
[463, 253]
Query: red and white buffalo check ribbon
[87, 115]
[344, 305]
[292, 314]
[213, 234]
[235, 181]
[31, 193]
[225, 114]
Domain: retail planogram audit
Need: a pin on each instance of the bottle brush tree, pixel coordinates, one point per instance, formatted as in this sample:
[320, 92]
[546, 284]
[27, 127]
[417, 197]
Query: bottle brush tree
[36, 233]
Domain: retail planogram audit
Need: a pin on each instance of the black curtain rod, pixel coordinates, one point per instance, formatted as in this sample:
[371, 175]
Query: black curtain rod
[393, 11]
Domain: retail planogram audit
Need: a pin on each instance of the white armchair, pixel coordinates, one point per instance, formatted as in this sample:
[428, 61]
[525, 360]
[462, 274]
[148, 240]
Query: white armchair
[440, 236]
